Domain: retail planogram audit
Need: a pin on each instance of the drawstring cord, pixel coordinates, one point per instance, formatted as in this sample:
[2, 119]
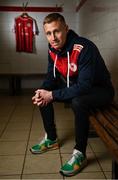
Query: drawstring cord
[68, 57]
[55, 66]
[68, 66]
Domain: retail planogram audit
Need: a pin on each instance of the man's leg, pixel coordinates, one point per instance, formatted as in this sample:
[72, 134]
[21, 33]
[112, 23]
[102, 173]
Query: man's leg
[49, 142]
[47, 113]
[81, 124]
[81, 105]
[99, 97]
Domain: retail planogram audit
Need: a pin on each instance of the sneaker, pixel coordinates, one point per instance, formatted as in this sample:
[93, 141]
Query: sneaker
[44, 145]
[74, 165]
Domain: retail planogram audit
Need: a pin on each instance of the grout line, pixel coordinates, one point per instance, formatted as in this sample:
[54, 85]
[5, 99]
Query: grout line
[61, 160]
[27, 145]
[98, 161]
[11, 114]
[5, 176]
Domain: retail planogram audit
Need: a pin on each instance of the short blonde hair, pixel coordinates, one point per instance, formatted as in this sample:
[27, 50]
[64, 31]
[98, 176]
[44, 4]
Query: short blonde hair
[54, 17]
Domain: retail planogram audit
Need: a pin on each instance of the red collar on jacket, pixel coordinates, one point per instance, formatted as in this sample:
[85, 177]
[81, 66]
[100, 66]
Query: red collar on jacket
[62, 62]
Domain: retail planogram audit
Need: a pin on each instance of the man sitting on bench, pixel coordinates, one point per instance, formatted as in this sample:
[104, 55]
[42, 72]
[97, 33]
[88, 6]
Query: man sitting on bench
[76, 74]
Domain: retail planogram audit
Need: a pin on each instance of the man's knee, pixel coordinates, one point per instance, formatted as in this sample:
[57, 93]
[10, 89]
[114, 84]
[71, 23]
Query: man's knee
[80, 103]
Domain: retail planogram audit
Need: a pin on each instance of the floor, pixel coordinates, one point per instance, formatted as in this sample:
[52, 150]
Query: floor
[21, 127]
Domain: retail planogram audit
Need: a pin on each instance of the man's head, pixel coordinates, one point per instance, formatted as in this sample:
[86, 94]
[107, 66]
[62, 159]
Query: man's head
[55, 29]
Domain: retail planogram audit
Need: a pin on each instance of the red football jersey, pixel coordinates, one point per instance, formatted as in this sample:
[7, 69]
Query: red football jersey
[24, 33]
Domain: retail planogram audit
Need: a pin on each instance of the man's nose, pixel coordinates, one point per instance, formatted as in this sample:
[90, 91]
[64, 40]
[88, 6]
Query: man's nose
[53, 36]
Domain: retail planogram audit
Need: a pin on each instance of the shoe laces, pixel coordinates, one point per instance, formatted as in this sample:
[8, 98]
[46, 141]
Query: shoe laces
[44, 139]
[76, 154]
[71, 161]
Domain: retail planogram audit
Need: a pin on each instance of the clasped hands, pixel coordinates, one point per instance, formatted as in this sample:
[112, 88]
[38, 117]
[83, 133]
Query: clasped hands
[42, 97]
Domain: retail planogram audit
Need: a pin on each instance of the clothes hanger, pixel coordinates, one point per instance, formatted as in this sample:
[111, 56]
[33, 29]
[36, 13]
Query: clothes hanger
[24, 14]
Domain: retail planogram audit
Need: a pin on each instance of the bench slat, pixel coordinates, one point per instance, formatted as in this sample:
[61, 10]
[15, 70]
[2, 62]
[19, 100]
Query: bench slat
[107, 139]
[107, 125]
[111, 117]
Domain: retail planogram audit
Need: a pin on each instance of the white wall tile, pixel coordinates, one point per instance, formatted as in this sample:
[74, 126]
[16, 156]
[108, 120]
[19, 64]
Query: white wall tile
[98, 21]
[25, 62]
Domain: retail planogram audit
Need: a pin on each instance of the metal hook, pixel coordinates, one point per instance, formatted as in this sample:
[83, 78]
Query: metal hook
[25, 6]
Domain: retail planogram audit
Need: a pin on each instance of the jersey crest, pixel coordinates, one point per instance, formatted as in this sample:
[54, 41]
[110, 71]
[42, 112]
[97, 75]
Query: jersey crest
[62, 62]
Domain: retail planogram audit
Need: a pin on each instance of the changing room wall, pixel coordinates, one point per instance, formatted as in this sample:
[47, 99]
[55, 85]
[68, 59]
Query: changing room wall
[98, 21]
[28, 63]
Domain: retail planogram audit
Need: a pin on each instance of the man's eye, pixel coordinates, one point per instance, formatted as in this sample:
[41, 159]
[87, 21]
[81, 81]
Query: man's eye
[48, 33]
[57, 31]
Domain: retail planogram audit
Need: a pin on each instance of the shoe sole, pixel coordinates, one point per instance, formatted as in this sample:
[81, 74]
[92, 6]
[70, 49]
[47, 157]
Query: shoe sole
[75, 172]
[43, 151]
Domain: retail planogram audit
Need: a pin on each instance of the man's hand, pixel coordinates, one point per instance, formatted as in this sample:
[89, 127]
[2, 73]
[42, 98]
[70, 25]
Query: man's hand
[42, 97]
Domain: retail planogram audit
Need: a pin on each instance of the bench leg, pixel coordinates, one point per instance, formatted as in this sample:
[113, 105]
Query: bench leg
[114, 169]
[18, 85]
[14, 85]
[11, 86]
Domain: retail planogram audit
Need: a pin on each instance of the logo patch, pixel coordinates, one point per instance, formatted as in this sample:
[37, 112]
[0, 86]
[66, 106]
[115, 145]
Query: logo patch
[73, 67]
[78, 47]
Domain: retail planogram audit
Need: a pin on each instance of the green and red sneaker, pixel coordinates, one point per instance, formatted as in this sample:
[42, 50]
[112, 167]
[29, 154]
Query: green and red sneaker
[74, 165]
[44, 145]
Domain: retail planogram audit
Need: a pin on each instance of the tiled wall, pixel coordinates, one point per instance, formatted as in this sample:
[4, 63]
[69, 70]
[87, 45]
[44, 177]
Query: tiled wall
[14, 62]
[98, 21]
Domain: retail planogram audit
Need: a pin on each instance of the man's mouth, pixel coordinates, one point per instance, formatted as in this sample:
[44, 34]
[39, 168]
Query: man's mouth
[55, 43]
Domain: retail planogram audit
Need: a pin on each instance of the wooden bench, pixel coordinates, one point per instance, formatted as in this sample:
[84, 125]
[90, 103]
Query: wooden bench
[105, 123]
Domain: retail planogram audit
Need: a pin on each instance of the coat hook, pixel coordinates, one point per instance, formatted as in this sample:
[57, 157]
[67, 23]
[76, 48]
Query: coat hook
[25, 6]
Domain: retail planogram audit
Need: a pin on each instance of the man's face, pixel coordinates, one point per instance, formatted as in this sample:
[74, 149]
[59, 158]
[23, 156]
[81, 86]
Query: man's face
[56, 33]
